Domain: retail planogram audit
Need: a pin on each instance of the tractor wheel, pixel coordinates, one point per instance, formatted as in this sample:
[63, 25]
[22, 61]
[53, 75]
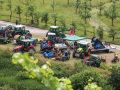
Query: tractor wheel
[98, 65]
[82, 55]
[31, 50]
[89, 52]
[74, 54]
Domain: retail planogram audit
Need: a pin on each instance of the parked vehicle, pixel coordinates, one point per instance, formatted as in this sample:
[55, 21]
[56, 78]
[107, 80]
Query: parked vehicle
[98, 46]
[82, 50]
[94, 60]
[20, 30]
[55, 29]
[115, 59]
[53, 38]
[26, 46]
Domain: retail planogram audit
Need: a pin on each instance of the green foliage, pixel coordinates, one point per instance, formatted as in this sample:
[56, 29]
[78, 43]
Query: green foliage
[92, 85]
[74, 24]
[80, 80]
[9, 7]
[112, 12]
[31, 9]
[18, 10]
[37, 16]
[45, 17]
[114, 78]
[43, 75]
[55, 17]
[104, 66]
[62, 21]
[113, 32]
[22, 75]
[100, 31]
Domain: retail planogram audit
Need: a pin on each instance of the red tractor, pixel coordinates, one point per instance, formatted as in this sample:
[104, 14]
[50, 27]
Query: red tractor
[27, 46]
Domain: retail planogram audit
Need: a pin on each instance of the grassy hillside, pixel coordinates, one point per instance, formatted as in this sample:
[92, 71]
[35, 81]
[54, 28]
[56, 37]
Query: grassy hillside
[64, 11]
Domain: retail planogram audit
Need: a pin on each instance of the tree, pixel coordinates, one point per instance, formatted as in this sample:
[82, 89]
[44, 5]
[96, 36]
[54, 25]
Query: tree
[112, 32]
[90, 3]
[37, 16]
[101, 7]
[85, 14]
[93, 31]
[114, 79]
[100, 31]
[74, 24]
[18, 10]
[45, 17]
[1, 2]
[62, 21]
[68, 2]
[9, 7]
[84, 26]
[55, 17]
[111, 12]
[77, 5]
[53, 5]
[31, 10]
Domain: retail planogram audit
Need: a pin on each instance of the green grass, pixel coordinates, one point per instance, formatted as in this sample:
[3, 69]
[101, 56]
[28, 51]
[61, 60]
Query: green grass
[61, 7]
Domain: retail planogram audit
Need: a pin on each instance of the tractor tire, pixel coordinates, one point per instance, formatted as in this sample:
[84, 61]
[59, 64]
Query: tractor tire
[83, 55]
[31, 50]
[74, 54]
[89, 52]
[97, 65]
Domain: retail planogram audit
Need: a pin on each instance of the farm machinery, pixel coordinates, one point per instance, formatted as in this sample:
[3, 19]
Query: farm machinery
[98, 46]
[27, 46]
[82, 50]
[94, 60]
[51, 37]
[55, 29]
[20, 30]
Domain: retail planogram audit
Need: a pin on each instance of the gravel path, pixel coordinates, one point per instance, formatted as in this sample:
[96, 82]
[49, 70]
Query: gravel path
[38, 31]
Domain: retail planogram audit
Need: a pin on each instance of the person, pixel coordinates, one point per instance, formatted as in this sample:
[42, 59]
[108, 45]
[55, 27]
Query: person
[69, 52]
[14, 42]
[75, 45]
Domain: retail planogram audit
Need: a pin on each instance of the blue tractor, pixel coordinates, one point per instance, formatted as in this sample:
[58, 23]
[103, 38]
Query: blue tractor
[96, 43]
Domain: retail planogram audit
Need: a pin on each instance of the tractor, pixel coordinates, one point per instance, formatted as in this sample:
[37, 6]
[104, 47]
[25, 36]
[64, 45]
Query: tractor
[20, 30]
[26, 46]
[55, 29]
[82, 50]
[53, 38]
[94, 60]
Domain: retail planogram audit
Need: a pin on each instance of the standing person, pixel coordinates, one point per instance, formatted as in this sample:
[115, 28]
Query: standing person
[14, 42]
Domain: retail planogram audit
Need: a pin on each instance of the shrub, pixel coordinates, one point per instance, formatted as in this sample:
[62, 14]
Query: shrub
[22, 75]
[114, 79]
[80, 80]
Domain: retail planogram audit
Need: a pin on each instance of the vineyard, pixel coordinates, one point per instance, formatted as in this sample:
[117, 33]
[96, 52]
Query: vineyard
[90, 18]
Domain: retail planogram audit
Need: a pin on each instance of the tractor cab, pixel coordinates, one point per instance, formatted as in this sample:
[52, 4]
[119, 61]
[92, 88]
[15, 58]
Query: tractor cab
[55, 29]
[19, 27]
[26, 43]
[82, 50]
[83, 45]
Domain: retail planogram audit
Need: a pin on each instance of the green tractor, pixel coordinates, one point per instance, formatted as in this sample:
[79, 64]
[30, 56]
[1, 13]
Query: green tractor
[27, 46]
[56, 30]
[82, 50]
[94, 60]
[20, 30]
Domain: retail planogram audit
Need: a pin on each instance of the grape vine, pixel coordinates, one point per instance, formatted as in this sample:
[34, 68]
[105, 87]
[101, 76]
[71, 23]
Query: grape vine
[42, 74]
